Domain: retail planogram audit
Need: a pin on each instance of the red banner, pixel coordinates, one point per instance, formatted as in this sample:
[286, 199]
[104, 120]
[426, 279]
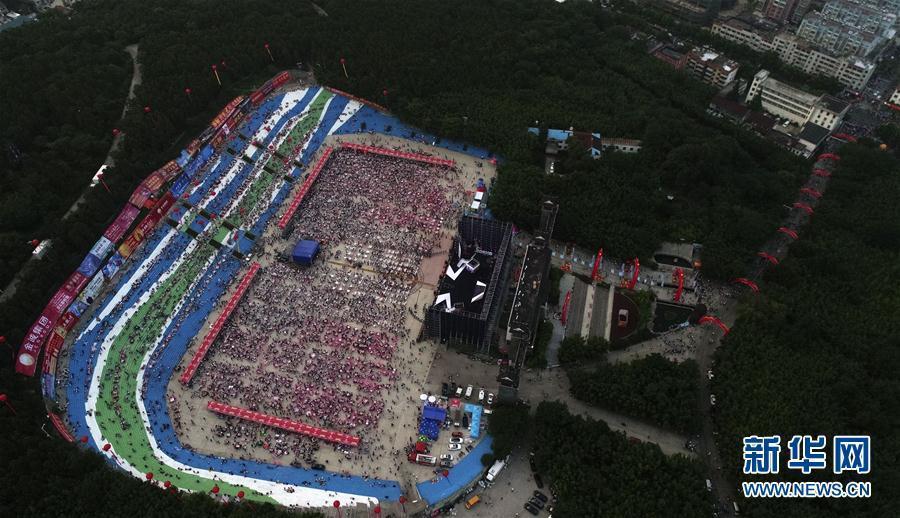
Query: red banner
[75, 283]
[280, 79]
[154, 182]
[169, 171]
[26, 361]
[226, 112]
[66, 323]
[357, 99]
[58, 424]
[59, 303]
[140, 195]
[54, 344]
[131, 243]
[121, 224]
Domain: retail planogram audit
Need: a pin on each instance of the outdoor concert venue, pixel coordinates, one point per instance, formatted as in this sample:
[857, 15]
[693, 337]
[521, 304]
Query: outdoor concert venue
[248, 325]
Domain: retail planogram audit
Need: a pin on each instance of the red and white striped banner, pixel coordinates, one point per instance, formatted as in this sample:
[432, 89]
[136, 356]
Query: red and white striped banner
[284, 424]
[217, 326]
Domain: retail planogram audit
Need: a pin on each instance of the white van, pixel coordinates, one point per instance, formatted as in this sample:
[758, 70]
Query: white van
[469, 392]
[708, 485]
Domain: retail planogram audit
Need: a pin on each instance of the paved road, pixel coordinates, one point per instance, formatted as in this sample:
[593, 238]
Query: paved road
[10, 289]
[110, 161]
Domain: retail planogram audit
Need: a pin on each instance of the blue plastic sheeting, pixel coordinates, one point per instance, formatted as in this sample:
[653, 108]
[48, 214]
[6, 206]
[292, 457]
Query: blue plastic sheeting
[475, 422]
[199, 224]
[77, 308]
[462, 475]
[430, 429]
[112, 266]
[89, 265]
[435, 413]
[305, 251]
[377, 122]
[183, 158]
[180, 185]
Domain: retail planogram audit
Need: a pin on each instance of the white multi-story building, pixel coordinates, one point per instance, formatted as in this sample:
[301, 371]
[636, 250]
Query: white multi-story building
[783, 100]
[895, 97]
[851, 71]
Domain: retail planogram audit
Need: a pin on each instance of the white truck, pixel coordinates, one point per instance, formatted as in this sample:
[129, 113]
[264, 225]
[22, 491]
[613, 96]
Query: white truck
[495, 470]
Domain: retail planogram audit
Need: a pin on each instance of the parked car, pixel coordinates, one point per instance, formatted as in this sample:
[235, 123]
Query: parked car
[445, 389]
[456, 440]
[540, 496]
[537, 503]
[446, 456]
[531, 509]
[623, 318]
[481, 395]
[459, 391]
[457, 434]
[455, 447]
[538, 481]
[490, 400]
[469, 392]
[446, 464]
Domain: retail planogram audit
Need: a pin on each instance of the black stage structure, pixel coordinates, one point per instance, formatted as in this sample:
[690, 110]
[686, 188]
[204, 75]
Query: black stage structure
[468, 298]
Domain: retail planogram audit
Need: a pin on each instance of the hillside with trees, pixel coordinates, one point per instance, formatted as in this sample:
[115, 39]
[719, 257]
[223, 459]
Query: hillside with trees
[653, 389]
[817, 351]
[481, 71]
[598, 472]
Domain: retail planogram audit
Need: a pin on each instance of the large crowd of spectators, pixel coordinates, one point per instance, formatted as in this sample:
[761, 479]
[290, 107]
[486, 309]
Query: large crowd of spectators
[319, 344]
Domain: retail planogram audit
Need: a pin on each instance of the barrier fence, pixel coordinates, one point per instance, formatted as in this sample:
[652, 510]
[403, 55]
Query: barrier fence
[284, 424]
[217, 326]
[307, 184]
[398, 154]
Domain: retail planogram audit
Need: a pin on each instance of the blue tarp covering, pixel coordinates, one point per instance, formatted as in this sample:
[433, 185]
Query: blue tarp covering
[462, 475]
[89, 265]
[475, 422]
[305, 251]
[183, 158]
[435, 413]
[180, 185]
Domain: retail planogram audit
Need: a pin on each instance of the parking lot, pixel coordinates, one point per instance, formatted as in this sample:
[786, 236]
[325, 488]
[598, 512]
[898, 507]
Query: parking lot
[511, 489]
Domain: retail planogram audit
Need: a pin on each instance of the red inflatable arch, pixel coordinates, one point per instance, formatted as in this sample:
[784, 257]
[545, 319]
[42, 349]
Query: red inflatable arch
[822, 172]
[812, 192]
[748, 283]
[634, 274]
[829, 156]
[803, 206]
[789, 232]
[596, 269]
[768, 257]
[709, 319]
[678, 276]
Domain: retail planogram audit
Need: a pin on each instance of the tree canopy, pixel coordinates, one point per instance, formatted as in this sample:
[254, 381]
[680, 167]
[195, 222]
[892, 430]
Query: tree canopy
[816, 351]
[598, 472]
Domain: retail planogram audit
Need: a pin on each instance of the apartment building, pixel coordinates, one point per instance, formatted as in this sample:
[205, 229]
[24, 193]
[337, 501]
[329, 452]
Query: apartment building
[851, 71]
[800, 107]
[711, 67]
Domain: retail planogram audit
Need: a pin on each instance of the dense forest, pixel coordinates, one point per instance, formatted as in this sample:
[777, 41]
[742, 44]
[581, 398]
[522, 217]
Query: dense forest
[481, 71]
[654, 389]
[817, 351]
[598, 472]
